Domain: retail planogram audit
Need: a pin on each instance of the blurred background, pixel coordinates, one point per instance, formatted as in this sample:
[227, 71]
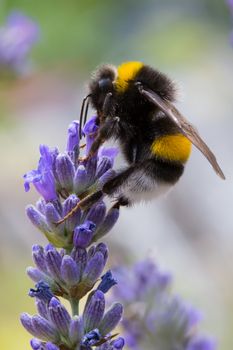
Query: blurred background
[43, 75]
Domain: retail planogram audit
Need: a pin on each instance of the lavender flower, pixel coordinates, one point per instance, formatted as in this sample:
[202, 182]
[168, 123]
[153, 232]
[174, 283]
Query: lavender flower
[69, 275]
[154, 317]
[60, 179]
[57, 327]
[71, 265]
[73, 271]
[17, 37]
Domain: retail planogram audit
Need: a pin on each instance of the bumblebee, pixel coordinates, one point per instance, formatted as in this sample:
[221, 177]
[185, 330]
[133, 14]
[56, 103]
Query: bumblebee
[134, 105]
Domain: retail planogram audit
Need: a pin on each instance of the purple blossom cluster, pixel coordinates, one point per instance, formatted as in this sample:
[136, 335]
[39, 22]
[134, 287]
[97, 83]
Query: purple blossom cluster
[62, 179]
[55, 329]
[17, 37]
[71, 266]
[154, 318]
[70, 275]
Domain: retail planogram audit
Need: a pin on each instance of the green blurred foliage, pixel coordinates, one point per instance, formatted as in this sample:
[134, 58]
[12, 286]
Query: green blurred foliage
[84, 33]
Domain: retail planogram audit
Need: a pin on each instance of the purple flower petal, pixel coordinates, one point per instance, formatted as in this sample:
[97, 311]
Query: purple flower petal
[97, 213]
[90, 129]
[94, 311]
[76, 330]
[73, 136]
[60, 316]
[109, 152]
[111, 319]
[69, 271]
[202, 344]
[43, 178]
[93, 269]
[41, 292]
[107, 282]
[83, 234]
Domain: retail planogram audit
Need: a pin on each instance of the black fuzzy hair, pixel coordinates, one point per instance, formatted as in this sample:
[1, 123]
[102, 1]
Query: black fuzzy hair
[158, 82]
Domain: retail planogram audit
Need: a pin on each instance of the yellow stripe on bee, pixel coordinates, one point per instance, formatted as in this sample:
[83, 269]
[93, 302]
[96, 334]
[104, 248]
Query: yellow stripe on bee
[172, 147]
[126, 72]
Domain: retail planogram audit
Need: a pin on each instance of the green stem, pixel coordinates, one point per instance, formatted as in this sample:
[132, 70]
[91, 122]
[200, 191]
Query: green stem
[74, 306]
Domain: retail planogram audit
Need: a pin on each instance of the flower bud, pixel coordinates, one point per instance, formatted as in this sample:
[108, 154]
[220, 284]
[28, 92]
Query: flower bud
[109, 221]
[36, 275]
[53, 261]
[80, 180]
[39, 257]
[94, 310]
[118, 343]
[37, 218]
[69, 271]
[65, 171]
[80, 257]
[83, 234]
[107, 281]
[44, 329]
[36, 344]
[111, 319]
[104, 165]
[76, 330]
[73, 137]
[60, 316]
[93, 269]
[97, 213]
[41, 292]
[75, 218]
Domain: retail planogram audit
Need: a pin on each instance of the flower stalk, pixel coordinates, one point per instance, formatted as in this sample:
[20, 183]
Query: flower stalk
[72, 263]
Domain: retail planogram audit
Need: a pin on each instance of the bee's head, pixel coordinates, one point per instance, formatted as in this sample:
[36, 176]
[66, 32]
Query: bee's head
[101, 84]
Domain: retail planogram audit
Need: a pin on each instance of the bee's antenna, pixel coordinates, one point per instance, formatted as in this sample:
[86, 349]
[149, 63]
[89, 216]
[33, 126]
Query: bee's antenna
[81, 124]
[86, 111]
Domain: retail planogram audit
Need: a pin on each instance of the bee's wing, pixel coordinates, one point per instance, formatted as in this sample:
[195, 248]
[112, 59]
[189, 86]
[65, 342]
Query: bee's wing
[185, 127]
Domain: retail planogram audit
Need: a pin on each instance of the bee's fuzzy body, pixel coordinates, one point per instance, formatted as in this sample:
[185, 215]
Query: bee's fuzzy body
[140, 127]
[134, 105]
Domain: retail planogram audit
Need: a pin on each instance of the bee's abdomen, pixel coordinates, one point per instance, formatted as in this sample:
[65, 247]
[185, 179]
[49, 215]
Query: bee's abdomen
[166, 172]
[174, 148]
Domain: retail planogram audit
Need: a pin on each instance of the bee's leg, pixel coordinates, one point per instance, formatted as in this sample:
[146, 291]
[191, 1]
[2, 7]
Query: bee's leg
[84, 204]
[109, 188]
[107, 125]
[113, 185]
[121, 202]
[108, 105]
[105, 132]
[142, 181]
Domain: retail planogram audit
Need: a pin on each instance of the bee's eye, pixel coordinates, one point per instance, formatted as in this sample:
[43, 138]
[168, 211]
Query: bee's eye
[105, 84]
